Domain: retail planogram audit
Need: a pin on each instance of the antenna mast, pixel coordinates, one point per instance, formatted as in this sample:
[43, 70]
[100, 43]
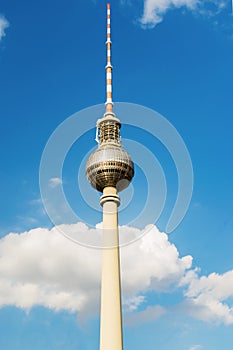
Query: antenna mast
[109, 103]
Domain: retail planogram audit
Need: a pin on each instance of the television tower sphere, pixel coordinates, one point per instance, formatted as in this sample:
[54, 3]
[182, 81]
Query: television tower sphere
[109, 165]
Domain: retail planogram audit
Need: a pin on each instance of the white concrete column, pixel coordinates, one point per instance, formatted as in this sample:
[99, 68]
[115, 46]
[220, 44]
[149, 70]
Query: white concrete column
[110, 313]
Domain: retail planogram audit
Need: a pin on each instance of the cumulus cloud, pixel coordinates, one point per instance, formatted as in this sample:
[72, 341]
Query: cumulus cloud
[158, 266]
[54, 182]
[151, 313]
[196, 347]
[207, 297]
[3, 25]
[154, 10]
[42, 267]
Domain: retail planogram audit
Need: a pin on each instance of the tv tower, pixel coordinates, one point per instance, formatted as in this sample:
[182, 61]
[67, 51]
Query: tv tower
[110, 169]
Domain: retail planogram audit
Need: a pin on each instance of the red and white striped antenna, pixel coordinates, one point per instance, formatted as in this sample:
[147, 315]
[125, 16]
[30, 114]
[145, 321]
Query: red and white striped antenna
[109, 103]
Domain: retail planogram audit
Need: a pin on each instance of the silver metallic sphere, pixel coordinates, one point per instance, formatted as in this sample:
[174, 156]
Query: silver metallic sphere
[109, 165]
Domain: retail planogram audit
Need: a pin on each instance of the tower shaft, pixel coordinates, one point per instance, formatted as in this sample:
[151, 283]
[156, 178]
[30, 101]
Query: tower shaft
[110, 314]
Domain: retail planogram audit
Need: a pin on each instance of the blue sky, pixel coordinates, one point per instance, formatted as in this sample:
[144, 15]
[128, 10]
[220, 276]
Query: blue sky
[173, 57]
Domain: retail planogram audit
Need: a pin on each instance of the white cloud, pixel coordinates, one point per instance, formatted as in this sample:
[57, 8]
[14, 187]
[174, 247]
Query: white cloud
[154, 10]
[54, 182]
[207, 297]
[3, 25]
[42, 267]
[158, 266]
[196, 347]
[151, 313]
[133, 303]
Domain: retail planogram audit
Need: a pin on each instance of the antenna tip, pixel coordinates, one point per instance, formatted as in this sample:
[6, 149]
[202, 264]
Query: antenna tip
[108, 6]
